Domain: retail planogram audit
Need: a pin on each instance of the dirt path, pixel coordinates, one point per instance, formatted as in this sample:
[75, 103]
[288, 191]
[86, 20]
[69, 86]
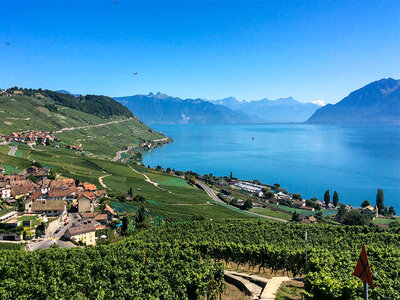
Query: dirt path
[12, 151]
[149, 180]
[93, 125]
[101, 180]
[269, 292]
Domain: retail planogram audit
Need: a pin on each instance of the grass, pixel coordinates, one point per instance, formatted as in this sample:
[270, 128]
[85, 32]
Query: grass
[303, 212]
[11, 246]
[385, 220]
[290, 290]
[27, 218]
[272, 213]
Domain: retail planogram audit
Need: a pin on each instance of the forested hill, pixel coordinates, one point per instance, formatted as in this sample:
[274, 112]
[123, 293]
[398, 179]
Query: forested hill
[101, 106]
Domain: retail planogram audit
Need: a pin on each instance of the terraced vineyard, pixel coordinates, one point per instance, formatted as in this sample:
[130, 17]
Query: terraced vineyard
[180, 261]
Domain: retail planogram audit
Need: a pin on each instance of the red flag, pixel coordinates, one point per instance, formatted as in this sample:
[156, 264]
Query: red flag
[362, 269]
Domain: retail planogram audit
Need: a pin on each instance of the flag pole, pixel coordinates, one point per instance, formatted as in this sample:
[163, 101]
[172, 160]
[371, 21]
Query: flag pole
[365, 291]
[306, 250]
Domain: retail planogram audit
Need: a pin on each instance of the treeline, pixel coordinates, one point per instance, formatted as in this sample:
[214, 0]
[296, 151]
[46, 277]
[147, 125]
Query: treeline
[101, 106]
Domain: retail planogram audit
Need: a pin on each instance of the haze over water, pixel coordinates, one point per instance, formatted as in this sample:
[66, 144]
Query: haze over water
[305, 159]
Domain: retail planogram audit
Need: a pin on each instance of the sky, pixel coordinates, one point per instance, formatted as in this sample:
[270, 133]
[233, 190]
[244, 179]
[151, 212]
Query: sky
[310, 50]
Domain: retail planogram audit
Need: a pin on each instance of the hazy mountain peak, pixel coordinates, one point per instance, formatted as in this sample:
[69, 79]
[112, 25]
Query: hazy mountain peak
[376, 102]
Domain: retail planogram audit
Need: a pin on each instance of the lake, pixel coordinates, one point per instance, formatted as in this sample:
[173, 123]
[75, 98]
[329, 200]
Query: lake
[302, 158]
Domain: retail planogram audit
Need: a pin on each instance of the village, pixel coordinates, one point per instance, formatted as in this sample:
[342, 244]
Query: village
[246, 194]
[40, 209]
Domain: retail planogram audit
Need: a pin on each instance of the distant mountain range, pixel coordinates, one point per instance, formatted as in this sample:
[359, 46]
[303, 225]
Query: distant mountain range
[283, 110]
[377, 102]
[163, 109]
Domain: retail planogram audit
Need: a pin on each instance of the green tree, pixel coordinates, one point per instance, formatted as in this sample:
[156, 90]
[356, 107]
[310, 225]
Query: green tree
[335, 199]
[139, 198]
[355, 217]
[248, 204]
[230, 176]
[380, 199]
[391, 212]
[365, 203]
[327, 197]
[141, 218]
[47, 142]
[296, 217]
[268, 194]
[124, 226]
[297, 196]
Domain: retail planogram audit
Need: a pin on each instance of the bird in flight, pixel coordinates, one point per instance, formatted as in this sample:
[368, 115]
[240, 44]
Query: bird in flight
[7, 43]
[116, 2]
[135, 73]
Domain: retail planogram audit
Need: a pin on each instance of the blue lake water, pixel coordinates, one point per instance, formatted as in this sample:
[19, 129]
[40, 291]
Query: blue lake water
[305, 159]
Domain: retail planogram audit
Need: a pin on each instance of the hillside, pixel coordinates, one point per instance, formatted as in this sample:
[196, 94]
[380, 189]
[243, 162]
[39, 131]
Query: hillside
[377, 102]
[163, 109]
[108, 128]
[283, 110]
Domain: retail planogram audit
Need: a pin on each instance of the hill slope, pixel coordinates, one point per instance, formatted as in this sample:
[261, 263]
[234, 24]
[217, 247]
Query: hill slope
[283, 110]
[116, 130]
[377, 102]
[163, 109]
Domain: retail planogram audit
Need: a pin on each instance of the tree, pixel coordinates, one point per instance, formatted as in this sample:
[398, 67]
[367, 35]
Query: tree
[47, 142]
[391, 212]
[296, 217]
[297, 196]
[327, 197]
[247, 204]
[335, 199]
[355, 217]
[141, 218]
[230, 176]
[380, 199]
[269, 194]
[139, 198]
[365, 203]
[124, 227]
[168, 170]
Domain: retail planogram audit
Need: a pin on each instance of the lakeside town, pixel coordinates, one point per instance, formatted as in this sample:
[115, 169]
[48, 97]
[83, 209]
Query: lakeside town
[37, 205]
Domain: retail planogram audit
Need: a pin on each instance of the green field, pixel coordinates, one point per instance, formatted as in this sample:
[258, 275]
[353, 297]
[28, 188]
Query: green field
[176, 200]
[386, 220]
[272, 213]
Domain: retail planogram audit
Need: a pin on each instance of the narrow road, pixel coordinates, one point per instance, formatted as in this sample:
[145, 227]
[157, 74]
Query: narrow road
[119, 153]
[12, 151]
[269, 292]
[101, 180]
[93, 125]
[149, 180]
[210, 192]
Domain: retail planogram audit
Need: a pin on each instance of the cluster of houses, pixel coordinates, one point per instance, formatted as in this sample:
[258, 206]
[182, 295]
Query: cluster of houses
[30, 137]
[252, 188]
[8, 94]
[84, 230]
[46, 197]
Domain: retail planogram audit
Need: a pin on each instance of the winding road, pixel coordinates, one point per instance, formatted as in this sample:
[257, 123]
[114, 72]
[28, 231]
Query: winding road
[93, 125]
[210, 192]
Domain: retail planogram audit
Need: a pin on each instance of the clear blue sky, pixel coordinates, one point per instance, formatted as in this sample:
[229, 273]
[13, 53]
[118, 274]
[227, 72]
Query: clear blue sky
[310, 50]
